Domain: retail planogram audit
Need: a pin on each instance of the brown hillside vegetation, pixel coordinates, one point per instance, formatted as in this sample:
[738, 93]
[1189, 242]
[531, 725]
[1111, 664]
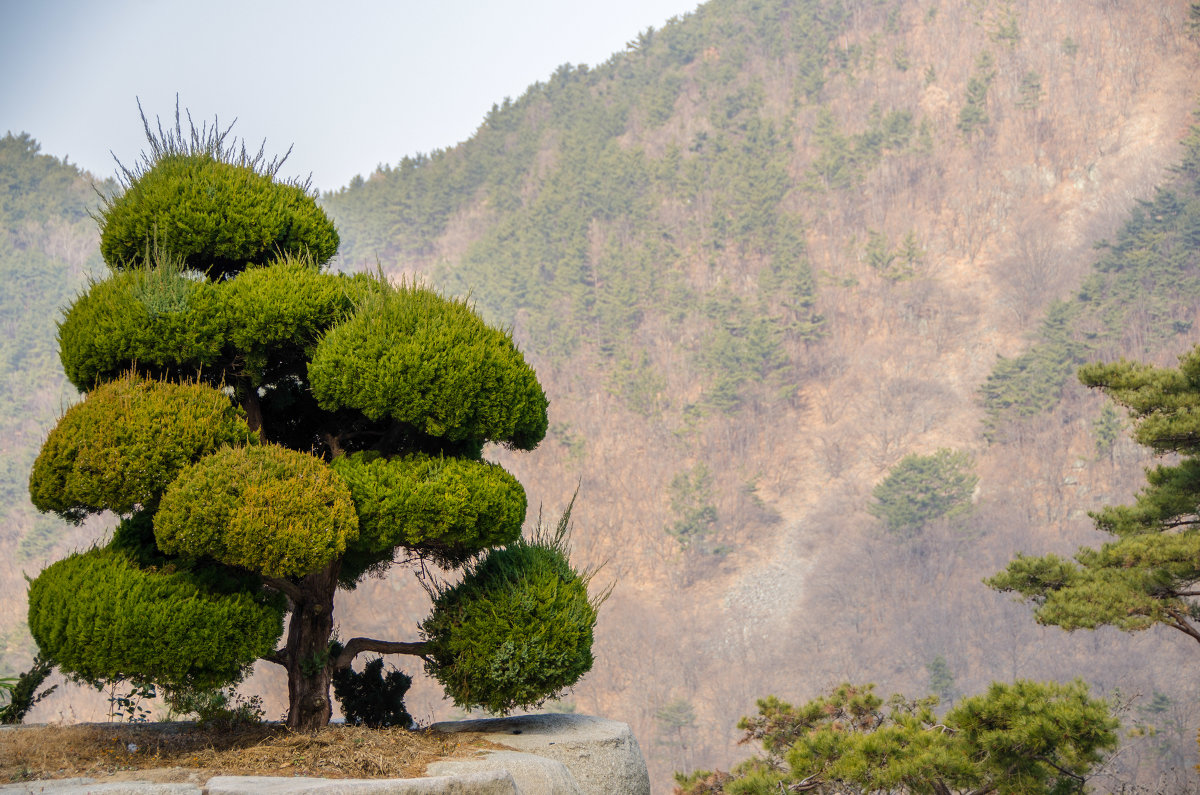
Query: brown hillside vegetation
[798, 587]
[759, 258]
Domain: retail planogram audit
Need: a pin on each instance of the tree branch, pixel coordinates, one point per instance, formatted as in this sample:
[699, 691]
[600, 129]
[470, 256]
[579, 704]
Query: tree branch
[1180, 622]
[285, 587]
[1062, 770]
[279, 657]
[356, 646]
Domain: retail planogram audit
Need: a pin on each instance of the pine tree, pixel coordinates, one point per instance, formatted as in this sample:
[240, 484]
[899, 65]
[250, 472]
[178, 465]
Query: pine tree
[1148, 574]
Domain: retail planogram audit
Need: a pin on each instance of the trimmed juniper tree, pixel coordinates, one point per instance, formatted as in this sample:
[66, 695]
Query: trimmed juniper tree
[269, 432]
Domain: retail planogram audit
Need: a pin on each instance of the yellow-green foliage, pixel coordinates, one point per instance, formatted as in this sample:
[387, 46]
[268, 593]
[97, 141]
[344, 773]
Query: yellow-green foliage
[217, 217]
[431, 362]
[99, 616]
[268, 509]
[277, 314]
[156, 317]
[120, 447]
[515, 632]
[1147, 573]
[439, 504]
[1022, 738]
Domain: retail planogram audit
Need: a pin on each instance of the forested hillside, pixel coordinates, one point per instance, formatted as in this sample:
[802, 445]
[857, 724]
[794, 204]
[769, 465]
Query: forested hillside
[776, 256]
[778, 265]
[49, 243]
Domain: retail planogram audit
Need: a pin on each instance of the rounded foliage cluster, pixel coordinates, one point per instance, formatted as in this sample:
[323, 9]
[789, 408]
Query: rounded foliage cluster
[922, 488]
[276, 315]
[449, 505]
[219, 218]
[99, 616]
[516, 631]
[268, 509]
[266, 321]
[157, 317]
[120, 446]
[413, 356]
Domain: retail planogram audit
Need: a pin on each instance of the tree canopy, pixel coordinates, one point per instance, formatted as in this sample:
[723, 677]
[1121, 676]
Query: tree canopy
[269, 430]
[922, 488]
[1022, 738]
[1148, 574]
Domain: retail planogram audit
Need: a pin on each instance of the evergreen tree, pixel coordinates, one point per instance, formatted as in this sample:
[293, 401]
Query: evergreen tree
[1016, 739]
[268, 432]
[922, 488]
[1148, 574]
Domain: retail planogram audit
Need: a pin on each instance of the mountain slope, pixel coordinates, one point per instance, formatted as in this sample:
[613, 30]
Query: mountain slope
[764, 254]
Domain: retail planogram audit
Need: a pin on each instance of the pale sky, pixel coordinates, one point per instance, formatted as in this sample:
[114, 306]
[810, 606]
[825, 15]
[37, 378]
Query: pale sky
[352, 84]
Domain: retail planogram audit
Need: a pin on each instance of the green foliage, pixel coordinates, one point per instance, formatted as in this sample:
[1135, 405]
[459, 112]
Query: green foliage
[128, 704]
[1030, 91]
[272, 510]
[449, 507]
[119, 448]
[1147, 575]
[517, 630]
[23, 691]
[941, 679]
[691, 502]
[921, 489]
[974, 116]
[277, 314]
[676, 714]
[892, 264]
[220, 708]
[845, 160]
[372, 699]
[214, 209]
[98, 615]
[1032, 383]
[743, 348]
[1018, 739]
[159, 318]
[227, 371]
[1107, 429]
[1144, 287]
[410, 355]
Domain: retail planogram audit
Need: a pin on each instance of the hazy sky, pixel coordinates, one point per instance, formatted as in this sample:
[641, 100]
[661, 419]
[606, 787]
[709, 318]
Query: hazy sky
[352, 83]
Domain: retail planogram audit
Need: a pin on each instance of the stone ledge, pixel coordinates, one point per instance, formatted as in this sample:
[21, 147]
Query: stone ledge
[603, 755]
[548, 755]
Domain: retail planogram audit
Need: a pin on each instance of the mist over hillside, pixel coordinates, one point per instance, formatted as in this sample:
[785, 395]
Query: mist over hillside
[759, 260]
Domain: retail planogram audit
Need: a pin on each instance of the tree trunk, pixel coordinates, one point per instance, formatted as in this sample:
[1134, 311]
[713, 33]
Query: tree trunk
[307, 652]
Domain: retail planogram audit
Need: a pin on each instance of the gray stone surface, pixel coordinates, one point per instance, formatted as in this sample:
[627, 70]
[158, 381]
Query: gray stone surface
[84, 786]
[533, 774]
[481, 782]
[602, 755]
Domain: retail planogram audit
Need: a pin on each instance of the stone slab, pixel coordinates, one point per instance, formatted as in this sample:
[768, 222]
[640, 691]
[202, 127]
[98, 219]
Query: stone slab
[86, 786]
[533, 774]
[602, 755]
[483, 782]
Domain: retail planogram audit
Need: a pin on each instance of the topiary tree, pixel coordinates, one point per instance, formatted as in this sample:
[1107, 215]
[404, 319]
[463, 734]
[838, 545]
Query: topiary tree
[270, 432]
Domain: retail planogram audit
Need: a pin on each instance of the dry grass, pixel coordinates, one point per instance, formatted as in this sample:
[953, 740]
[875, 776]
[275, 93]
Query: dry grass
[186, 752]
